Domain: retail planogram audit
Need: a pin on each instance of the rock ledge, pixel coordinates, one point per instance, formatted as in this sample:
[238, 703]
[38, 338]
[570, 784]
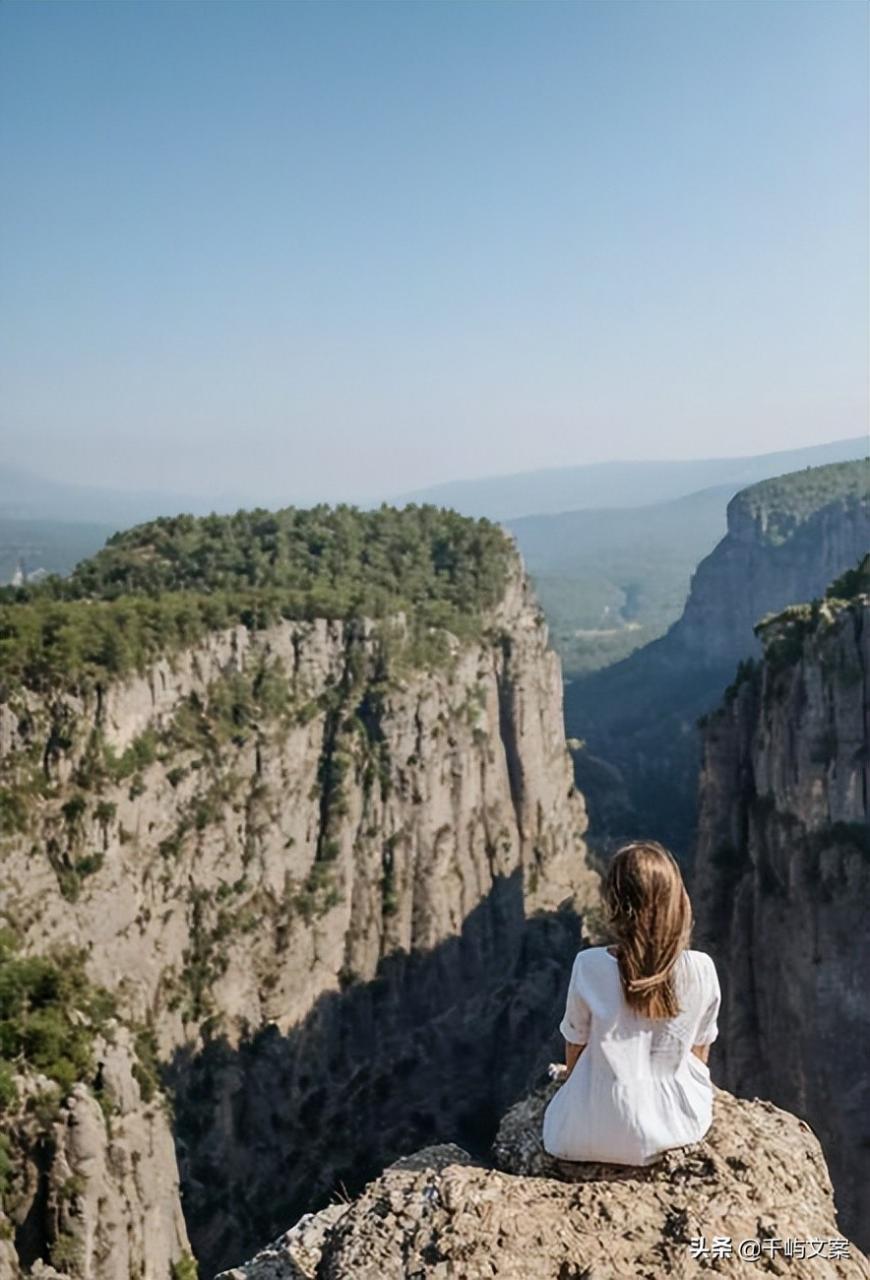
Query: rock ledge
[759, 1175]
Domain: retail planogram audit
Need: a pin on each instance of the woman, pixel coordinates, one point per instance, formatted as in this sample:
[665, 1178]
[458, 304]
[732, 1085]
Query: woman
[639, 1021]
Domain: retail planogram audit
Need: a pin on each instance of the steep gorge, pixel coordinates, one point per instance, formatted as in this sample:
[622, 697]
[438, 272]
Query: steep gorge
[787, 539]
[328, 873]
[782, 880]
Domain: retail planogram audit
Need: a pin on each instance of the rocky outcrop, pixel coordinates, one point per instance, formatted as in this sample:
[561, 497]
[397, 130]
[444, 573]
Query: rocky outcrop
[759, 1177]
[321, 867]
[783, 881]
[787, 539]
[92, 1183]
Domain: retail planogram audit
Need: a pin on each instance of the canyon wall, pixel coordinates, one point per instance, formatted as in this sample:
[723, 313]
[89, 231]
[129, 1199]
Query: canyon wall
[91, 1180]
[327, 879]
[787, 540]
[782, 546]
[782, 883]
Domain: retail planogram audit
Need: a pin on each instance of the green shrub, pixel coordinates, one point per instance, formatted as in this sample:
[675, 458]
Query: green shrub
[14, 812]
[8, 1090]
[318, 893]
[6, 1164]
[49, 1014]
[67, 1252]
[853, 583]
[105, 812]
[185, 1268]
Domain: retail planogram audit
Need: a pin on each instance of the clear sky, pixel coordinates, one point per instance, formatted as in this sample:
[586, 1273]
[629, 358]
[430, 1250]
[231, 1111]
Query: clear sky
[315, 249]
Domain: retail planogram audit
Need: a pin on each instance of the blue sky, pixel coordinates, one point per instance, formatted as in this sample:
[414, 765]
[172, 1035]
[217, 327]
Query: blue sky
[305, 250]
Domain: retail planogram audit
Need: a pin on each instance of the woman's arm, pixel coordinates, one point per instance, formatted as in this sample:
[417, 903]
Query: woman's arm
[707, 1030]
[576, 1024]
[572, 1053]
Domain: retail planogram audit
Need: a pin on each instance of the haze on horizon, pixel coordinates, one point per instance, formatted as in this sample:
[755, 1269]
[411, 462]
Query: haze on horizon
[307, 252]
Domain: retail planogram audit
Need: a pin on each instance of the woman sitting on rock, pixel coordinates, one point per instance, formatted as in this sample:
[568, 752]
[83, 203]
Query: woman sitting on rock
[639, 1021]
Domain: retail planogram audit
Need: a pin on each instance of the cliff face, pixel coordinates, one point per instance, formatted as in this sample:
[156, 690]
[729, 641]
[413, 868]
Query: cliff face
[783, 881]
[369, 812]
[787, 540]
[773, 555]
[92, 1184]
[759, 1176]
[284, 850]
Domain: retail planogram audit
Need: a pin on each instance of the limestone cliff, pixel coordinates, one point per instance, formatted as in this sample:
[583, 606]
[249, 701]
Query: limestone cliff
[373, 810]
[759, 1177]
[787, 539]
[783, 878]
[92, 1184]
[319, 872]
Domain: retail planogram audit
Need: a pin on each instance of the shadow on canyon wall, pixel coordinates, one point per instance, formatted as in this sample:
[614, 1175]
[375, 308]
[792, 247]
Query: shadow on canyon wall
[433, 1049]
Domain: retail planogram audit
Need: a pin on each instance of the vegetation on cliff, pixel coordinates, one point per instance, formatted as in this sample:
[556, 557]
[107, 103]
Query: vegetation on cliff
[49, 1015]
[853, 583]
[780, 506]
[784, 633]
[161, 586]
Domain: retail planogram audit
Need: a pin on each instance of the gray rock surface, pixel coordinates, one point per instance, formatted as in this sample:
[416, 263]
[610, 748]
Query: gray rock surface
[94, 1190]
[782, 885]
[454, 775]
[752, 573]
[760, 1174]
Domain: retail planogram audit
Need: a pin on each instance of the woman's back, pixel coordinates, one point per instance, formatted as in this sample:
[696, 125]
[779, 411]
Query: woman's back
[637, 1088]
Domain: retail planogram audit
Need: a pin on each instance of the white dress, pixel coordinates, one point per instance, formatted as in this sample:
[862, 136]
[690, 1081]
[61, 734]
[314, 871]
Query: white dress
[637, 1088]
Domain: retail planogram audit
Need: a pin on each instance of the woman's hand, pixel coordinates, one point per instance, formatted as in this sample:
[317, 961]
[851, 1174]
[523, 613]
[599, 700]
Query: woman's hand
[572, 1053]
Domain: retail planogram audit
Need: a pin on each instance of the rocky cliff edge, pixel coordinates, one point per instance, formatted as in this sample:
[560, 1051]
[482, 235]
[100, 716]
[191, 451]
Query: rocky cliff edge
[760, 1176]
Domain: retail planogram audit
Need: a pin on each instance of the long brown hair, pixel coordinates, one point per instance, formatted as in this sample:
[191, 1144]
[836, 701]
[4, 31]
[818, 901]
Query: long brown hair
[650, 917]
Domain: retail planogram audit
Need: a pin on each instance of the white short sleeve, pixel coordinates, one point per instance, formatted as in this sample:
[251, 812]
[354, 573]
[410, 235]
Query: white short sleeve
[575, 1024]
[708, 1028]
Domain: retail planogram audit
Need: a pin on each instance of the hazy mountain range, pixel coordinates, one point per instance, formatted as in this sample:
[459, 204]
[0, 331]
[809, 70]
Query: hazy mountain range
[27, 495]
[611, 566]
[621, 484]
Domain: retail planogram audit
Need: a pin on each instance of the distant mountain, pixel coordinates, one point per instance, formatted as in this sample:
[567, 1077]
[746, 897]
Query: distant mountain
[27, 496]
[621, 484]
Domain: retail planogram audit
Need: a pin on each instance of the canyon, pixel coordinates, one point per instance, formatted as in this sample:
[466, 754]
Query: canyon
[290, 892]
